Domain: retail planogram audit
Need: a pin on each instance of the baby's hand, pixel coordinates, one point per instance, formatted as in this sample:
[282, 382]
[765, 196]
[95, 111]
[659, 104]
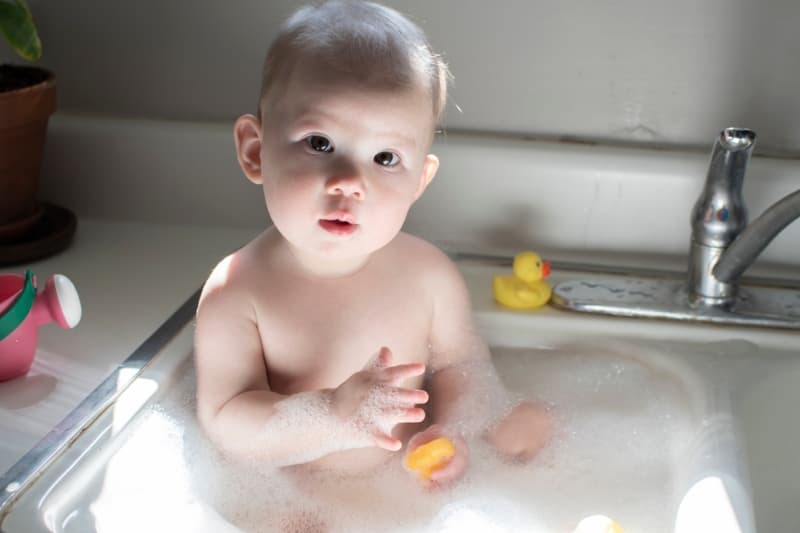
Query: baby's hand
[453, 468]
[523, 432]
[372, 400]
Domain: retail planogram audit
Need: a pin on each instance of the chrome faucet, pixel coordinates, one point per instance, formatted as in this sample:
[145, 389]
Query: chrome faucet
[722, 247]
[718, 217]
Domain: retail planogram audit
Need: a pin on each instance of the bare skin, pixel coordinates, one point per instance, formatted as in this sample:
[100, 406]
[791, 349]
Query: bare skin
[344, 323]
[312, 340]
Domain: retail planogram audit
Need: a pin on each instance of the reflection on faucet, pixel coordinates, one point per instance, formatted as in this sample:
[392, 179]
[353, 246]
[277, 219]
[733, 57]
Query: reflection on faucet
[723, 246]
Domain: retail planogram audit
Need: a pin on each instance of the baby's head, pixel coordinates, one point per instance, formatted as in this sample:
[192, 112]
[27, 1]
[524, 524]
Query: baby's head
[351, 97]
[353, 44]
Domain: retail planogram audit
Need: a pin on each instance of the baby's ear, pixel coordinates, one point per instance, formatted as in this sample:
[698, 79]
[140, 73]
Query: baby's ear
[429, 168]
[247, 134]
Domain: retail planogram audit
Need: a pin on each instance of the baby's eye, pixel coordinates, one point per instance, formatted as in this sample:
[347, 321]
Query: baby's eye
[387, 159]
[318, 143]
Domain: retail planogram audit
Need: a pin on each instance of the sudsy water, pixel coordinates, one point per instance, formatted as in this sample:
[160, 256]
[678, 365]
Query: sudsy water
[621, 425]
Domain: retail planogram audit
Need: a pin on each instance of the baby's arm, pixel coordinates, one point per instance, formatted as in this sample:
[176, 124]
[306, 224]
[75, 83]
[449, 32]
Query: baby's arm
[467, 396]
[460, 361]
[248, 421]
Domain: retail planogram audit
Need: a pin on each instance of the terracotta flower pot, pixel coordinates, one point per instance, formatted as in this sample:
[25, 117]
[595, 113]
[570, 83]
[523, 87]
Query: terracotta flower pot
[24, 113]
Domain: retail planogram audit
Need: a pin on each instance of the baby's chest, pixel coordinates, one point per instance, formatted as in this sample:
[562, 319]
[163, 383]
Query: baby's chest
[312, 344]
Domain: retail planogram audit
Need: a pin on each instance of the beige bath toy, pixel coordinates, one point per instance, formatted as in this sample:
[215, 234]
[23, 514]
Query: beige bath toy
[430, 456]
[598, 524]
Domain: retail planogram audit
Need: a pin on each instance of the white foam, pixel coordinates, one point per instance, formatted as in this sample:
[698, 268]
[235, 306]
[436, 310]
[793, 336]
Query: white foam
[620, 426]
[487, 399]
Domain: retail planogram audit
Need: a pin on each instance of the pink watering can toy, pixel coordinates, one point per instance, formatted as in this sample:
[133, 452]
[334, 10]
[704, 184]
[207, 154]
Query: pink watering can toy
[22, 311]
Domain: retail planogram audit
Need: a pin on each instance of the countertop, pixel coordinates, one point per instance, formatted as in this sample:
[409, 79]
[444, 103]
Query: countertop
[131, 276]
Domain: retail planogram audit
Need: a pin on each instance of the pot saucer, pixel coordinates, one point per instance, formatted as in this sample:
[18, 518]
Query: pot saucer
[52, 233]
[14, 231]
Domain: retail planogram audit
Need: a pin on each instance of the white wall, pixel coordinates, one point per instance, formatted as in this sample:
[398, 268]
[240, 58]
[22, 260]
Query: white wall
[162, 81]
[622, 70]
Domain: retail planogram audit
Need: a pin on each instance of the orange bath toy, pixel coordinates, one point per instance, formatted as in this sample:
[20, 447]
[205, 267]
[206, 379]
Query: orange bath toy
[430, 456]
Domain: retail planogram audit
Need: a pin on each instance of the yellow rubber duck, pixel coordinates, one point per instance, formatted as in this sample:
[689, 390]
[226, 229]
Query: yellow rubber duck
[431, 456]
[526, 288]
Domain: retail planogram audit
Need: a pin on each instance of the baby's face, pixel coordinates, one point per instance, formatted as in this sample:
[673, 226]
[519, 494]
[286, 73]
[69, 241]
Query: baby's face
[341, 165]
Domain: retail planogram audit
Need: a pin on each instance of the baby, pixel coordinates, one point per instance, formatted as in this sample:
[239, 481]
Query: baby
[314, 341]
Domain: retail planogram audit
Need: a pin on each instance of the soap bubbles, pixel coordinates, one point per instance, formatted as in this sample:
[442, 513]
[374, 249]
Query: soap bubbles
[621, 425]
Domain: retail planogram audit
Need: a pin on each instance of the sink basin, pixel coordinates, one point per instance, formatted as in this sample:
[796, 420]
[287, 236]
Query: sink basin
[660, 426]
[768, 412]
[751, 374]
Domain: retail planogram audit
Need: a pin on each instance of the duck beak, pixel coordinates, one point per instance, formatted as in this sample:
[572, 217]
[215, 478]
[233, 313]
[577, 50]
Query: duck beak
[545, 269]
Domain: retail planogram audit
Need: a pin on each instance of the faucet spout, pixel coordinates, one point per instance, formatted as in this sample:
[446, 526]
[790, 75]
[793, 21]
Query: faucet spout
[719, 213]
[718, 216]
[751, 242]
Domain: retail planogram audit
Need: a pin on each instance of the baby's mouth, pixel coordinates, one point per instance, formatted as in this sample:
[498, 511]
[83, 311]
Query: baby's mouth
[339, 225]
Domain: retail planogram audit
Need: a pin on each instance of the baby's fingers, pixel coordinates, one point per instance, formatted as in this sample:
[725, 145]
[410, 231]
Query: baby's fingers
[406, 416]
[396, 374]
[390, 418]
[387, 442]
[409, 397]
[381, 360]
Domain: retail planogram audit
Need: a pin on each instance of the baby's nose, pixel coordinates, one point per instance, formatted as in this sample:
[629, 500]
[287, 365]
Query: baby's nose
[350, 184]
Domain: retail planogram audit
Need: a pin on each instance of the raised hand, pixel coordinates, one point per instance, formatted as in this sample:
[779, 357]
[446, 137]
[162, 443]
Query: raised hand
[372, 401]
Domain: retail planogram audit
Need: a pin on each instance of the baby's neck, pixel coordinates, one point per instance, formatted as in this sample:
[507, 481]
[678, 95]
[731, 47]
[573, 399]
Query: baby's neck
[321, 267]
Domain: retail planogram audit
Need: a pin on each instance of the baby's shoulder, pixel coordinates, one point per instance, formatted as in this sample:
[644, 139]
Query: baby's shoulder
[231, 282]
[424, 260]
[222, 290]
[415, 248]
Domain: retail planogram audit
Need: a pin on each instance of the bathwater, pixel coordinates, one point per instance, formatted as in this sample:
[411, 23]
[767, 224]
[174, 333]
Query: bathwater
[622, 428]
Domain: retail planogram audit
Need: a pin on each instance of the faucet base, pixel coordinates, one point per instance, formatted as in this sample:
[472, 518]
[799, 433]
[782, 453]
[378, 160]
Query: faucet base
[705, 289]
[657, 298]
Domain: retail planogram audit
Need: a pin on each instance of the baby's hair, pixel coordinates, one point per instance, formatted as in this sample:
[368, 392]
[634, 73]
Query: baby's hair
[360, 42]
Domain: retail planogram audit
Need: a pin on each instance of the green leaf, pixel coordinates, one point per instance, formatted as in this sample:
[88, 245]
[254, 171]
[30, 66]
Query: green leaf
[16, 25]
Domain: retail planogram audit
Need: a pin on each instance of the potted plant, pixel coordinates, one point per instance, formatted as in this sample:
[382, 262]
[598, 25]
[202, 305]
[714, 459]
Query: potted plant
[27, 99]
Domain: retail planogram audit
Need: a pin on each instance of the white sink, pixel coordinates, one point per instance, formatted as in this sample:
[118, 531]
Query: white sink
[750, 375]
[768, 409]
[657, 425]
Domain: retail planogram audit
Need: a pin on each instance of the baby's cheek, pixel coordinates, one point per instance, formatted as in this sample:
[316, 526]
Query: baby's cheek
[289, 213]
[389, 223]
